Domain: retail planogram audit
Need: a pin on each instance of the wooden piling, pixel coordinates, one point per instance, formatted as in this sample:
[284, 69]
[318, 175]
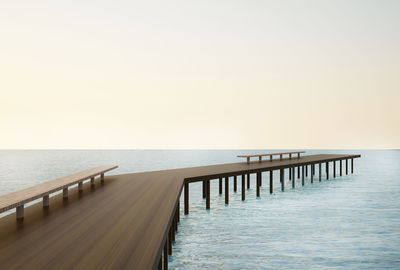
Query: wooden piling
[243, 187]
[312, 172]
[186, 198]
[294, 178]
[80, 186]
[258, 183]
[92, 181]
[235, 183]
[208, 194]
[170, 242]
[220, 186]
[320, 171]
[298, 172]
[166, 253]
[204, 188]
[306, 171]
[340, 167]
[172, 231]
[248, 181]
[352, 165]
[302, 175]
[226, 190]
[282, 176]
[179, 211]
[347, 167]
[271, 182]
[327, 170]
[334, 169]
[290, 174]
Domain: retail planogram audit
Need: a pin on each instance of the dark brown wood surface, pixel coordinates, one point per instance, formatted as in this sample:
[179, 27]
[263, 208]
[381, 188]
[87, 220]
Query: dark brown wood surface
[119, 224]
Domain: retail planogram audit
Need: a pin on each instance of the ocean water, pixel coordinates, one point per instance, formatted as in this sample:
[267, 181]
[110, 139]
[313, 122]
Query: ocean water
[350, 222]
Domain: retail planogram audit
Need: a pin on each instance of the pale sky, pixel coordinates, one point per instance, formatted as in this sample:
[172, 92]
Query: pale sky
[199, 74]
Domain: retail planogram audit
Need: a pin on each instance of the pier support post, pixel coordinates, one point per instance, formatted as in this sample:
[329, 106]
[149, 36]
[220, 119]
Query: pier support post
[248, 181]
[327, 170]
[226, 190]
[290, 174]
[208, 194]
[302, 175]
[320, 171]
[65, 193]
[166, 253]
[271, 182]
[92, 181]
[80, 186]
[347, 167]
[46, 200]
[334, 169]
[102, 177]
[220, 186]
[186, 198]
[282, 176]
[243, 187]
[179, 211]
[294, 178]
[352, 165]
[306, 170]
[169, 242]
[172, 231]
[258, 183]
[204, 188]
[340, 167]
[20, 212]
[298, 172]
[235, 183]
[312, 173]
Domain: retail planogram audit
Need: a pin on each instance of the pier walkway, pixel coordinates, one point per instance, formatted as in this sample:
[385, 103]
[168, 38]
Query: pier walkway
[129, 221]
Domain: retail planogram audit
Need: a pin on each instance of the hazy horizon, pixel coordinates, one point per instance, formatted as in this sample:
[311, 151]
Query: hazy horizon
[200, 75]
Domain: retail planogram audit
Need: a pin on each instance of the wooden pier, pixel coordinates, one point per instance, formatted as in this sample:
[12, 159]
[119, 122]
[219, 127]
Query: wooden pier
[129, 221]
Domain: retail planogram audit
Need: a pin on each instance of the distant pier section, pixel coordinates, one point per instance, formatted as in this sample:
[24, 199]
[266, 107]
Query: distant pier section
[129, 221]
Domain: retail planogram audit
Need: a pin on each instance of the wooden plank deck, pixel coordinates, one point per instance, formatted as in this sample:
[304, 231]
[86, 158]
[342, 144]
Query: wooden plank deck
[120, 224]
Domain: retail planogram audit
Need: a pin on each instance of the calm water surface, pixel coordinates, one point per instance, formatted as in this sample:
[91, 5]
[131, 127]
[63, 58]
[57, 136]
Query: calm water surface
[350, 222]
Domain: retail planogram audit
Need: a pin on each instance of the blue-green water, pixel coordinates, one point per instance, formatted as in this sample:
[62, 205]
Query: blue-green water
[349, 222]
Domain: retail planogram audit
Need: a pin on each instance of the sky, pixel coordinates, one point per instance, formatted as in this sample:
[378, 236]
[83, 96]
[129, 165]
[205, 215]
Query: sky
[199, 74]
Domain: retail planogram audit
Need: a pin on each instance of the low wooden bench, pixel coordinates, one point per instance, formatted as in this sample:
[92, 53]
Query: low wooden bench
[18, 198]
[271, 155]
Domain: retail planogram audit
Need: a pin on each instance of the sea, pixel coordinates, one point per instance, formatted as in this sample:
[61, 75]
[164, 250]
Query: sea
[348, 222]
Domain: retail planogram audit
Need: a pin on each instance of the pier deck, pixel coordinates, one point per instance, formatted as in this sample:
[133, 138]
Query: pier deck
[122, 223]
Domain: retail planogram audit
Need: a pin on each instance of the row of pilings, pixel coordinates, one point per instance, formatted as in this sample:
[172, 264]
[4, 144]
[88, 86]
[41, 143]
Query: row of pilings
[302, 172]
